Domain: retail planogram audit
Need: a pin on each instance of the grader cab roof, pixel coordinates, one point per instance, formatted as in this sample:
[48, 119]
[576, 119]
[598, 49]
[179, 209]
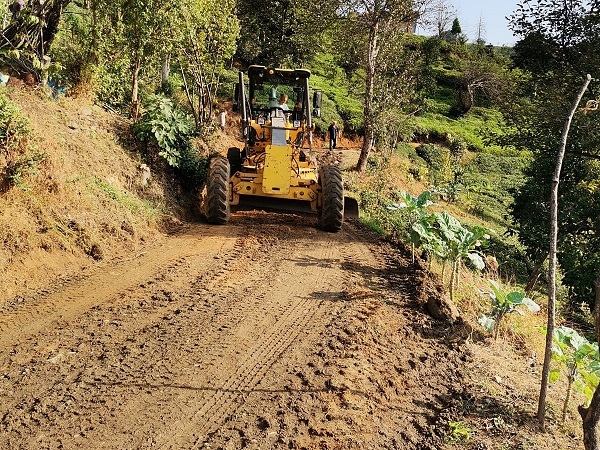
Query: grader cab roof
[262, 72]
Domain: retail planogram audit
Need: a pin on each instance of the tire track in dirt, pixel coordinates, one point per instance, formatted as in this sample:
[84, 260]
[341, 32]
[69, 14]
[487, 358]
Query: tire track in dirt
[164, 362]
[37, 313]
[293, 311]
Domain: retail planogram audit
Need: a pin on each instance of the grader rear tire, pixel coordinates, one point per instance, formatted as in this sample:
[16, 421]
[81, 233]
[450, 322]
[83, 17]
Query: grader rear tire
[331, 213]
[217, 191]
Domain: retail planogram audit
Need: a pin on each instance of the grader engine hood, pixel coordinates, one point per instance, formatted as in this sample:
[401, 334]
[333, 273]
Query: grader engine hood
[276, 172]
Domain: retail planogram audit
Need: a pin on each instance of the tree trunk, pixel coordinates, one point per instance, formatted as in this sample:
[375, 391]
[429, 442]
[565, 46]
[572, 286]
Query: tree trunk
[453, 277]
[33, 39]
[591, 415]
[94, 48]
[373, 50]
[535, 275]
[165, 71]
[135, 83]
[567, 397]
[541, 413]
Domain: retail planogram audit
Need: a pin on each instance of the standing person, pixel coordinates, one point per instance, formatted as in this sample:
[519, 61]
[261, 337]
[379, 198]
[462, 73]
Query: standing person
[333, 131]
[222, 117]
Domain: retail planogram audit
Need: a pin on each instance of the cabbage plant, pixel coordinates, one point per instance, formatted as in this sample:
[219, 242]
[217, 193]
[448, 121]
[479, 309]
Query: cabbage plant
[504, 303]
[579, 359]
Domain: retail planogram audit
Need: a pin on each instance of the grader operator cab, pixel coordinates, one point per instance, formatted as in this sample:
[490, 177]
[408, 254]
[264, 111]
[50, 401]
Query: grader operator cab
[276, 165]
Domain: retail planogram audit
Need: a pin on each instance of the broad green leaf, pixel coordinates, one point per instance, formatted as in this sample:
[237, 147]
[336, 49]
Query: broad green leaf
[584, 350]
[554, 375]
[498, 294]
[516, 298]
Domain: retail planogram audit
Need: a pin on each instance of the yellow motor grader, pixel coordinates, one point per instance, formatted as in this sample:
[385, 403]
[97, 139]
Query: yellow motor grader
[276, 164]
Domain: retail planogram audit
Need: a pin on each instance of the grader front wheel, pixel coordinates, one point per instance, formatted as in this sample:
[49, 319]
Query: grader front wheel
[217, 191]
[331, 213]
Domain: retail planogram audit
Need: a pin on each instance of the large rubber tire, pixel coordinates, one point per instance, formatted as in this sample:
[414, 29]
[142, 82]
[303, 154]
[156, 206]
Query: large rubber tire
[217, 191]
[331, 213]
[234, 156]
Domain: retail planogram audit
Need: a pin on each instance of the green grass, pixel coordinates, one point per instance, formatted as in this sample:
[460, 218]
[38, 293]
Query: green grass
[132, 203]
[436, 126]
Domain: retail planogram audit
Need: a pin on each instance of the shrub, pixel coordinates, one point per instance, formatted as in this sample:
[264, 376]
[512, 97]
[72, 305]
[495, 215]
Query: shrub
[18, 157]
[164, 125]
[439, 162]
[504, 303]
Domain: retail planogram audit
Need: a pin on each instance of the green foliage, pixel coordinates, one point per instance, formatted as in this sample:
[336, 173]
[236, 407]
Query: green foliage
[490, 182]
[112, 84]
[193, 167]
[14, 128]
[130, 202]
[341, 93]
[458, 433]
[25, 166]
[71, 47]
[434, 125]
[416, 210]
[166, 126]
[459, 243]
[557, 58]
[209, 29]
[581, 361]
[283, 33]
[442, 236]
[512, 258]
[456, 28]
[439, 161]
[504, 303]
[19, 158]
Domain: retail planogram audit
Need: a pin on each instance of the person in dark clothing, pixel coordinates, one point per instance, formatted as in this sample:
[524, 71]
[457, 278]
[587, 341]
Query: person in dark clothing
[333, 131]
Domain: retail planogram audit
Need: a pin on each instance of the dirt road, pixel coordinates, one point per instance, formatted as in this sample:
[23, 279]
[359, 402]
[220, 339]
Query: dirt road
[265, 333]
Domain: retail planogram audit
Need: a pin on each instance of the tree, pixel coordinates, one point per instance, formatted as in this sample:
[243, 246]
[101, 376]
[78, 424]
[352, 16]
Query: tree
[439, 17]
[209, 31]
[556, 55]
[591, 415]
[281, 32]
[27, 38]
[553, 251]
[399, 86]
[456, 29]
[483, 76]
[147, 25]
[480, 39]
[556, 46]
[377, 18]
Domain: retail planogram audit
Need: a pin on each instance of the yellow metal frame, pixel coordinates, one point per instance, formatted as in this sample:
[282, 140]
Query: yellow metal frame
[276, 171]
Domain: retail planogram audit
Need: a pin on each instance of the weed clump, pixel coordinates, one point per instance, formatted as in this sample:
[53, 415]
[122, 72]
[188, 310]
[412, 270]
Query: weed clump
[19, 157]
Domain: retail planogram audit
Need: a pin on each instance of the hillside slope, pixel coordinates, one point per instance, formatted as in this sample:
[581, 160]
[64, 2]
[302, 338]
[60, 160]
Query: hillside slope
[85, 200]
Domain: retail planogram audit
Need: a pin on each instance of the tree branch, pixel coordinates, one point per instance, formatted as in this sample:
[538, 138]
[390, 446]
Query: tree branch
[584, 155]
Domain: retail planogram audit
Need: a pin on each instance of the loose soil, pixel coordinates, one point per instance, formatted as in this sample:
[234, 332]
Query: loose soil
[265, 333]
